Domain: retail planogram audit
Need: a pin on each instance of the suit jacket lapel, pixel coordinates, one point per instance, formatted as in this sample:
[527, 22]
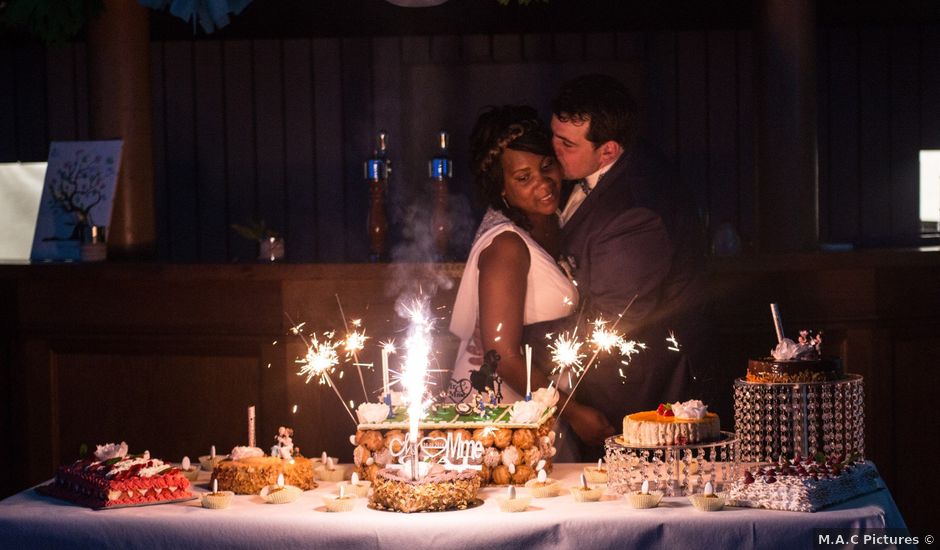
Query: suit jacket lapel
[606, 182]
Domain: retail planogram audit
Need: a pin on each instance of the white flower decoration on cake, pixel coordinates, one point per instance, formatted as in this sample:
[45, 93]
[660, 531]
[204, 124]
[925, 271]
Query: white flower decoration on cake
[690, 410]
[526, 412]
[238, 453]
[788, 350]
[548, 397]
[110, 450]
[372, 413]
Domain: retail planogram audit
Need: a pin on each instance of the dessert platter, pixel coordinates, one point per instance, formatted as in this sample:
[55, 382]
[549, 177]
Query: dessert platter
[798, 402]
[115, 479]
[679, 447]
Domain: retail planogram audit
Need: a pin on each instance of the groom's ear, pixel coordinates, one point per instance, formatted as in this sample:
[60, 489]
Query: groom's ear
[610, 150]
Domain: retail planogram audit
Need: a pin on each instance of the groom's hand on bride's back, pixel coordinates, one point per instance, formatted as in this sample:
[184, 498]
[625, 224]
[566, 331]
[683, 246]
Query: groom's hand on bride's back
[589, 423]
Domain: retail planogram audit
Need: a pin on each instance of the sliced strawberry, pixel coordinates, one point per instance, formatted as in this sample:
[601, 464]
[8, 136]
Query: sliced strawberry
[669, 413]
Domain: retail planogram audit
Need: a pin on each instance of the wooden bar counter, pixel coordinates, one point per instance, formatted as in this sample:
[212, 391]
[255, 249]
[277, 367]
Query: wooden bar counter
[168, 357]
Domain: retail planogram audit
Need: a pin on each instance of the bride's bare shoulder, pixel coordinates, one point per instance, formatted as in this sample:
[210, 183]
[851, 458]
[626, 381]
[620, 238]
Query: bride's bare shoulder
[507, 248]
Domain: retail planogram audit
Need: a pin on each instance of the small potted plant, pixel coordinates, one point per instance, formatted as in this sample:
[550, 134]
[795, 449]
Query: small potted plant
[270, 243]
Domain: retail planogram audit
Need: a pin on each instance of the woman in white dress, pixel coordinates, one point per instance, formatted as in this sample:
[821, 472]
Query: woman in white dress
[511, 278]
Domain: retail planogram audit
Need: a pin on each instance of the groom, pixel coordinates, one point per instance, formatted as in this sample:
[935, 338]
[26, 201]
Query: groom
[629, 233]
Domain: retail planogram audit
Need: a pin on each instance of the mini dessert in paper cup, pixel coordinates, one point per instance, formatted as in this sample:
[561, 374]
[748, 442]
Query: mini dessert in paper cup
[543, 489]
[707, 503]
[343, 503]
[337, 473]
[595, 474]
[518, 504]
[587, 494]
[209, 462]
[275, 494]
[217, 500]
[191, 474]
[642, 501]
[359, 489]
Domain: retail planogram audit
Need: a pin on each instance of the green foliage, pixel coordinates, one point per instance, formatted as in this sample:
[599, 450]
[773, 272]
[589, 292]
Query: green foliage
[53, 21]
[254, 230]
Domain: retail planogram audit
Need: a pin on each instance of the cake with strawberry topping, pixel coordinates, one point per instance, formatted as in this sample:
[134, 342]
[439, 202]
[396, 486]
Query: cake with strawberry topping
[114, 478]
[678, 423]
[804, 484]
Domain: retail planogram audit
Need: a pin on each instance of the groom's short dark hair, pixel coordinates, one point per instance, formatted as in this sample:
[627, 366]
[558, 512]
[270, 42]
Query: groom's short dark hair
[604, 101]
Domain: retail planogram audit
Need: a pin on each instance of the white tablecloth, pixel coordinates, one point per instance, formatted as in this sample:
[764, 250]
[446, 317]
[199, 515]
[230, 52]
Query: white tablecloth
[28, 520]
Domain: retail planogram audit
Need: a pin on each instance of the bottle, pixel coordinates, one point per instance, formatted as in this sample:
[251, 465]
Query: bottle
[377, 170]
[440, 171]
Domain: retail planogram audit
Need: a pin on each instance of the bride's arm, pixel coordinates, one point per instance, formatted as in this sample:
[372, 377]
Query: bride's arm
[504, 267]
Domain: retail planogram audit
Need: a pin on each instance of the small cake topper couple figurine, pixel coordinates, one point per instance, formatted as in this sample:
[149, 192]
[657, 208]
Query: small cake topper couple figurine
[285, 445]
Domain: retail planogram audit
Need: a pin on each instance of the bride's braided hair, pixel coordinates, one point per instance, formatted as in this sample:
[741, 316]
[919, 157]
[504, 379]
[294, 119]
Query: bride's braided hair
[516, 127]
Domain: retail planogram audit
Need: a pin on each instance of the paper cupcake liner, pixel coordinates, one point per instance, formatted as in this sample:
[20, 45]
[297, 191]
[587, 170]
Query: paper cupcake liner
[360, 490]
[288, 494]
[209, 463]
[217, 501]
[641, 501]
[707, 504]
[550, 489]
[337, 474]
[594, 475]
[337, 504]
[192, 474]
[518, 504]
[592, 494]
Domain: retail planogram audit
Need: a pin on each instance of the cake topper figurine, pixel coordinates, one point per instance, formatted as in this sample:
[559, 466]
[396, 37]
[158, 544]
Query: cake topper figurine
[285, 443]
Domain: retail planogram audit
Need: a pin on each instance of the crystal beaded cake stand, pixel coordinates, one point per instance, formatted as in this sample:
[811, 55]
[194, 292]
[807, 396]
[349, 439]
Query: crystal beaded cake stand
[675, 470]
[780, 420]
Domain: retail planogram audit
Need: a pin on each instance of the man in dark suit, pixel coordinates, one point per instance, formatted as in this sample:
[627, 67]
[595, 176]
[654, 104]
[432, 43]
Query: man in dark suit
[628, 231]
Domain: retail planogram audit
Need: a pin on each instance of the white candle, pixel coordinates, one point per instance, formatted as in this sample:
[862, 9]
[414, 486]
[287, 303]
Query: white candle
[600, 461]
[280, 480]
[251, 426]
[645, 489]
[709, 490]
[354, 479]
[342, 491]
[185, 464]
[212, 451]
[584, 482]
[323, 457]
[512, 493]
[542, 476]
[528, 370]
[329, 464]
[215, 485]
[385, 372]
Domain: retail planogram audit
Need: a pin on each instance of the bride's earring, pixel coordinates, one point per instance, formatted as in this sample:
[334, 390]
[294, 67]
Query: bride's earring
[506, 203]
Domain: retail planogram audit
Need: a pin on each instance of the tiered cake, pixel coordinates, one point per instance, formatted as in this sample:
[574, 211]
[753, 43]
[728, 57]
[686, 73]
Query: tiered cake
[798, 403]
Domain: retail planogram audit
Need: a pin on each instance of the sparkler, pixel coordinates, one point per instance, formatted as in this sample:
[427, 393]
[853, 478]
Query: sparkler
[600, 335]
[319, 361]
[355, 341]
[414, 375]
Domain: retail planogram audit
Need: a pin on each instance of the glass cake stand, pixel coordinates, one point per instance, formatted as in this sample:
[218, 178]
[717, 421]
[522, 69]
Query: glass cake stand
[675, 470]
[775, 420]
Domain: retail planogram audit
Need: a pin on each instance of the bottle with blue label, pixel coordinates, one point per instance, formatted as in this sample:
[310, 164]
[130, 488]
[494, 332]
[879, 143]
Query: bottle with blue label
[440, 171]
[377, 170]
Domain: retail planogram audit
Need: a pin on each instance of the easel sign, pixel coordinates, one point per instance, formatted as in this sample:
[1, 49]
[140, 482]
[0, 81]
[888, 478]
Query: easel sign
[78, 193]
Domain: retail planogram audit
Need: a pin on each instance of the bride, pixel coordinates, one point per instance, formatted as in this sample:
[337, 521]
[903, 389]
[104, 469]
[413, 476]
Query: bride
[511, 278]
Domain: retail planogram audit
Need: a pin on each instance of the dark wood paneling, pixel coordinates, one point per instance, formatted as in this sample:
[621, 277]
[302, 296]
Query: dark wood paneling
[745, 135]
[823, 141]
[240, 146]
[723, 184]
[160, 195]
[904, 81]
[874, 134]
[269, 133]
[181, 186]
[692, 78]
[210, 151]
[358, 142]
[328, 125]
[842, 184]
[299, 175]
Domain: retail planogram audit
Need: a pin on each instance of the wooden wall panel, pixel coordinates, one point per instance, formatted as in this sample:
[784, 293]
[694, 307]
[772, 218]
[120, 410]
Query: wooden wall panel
[328, 123]
[745, 135]
[299, 148]
[240, 145]
[723, 184]
[874, 134]
[693, 104]
[31, 87]
[268, 108]
[904, 82]
[842, 182]
[181, 185]
[358, 142]
[211, 189]
[61, 94]
[160, 196]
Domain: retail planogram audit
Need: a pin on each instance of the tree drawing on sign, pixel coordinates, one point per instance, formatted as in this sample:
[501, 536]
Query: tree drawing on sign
[77, 187]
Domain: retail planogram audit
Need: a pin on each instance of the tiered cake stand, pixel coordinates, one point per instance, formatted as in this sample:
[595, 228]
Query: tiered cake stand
[780, 420]
[675, 470]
